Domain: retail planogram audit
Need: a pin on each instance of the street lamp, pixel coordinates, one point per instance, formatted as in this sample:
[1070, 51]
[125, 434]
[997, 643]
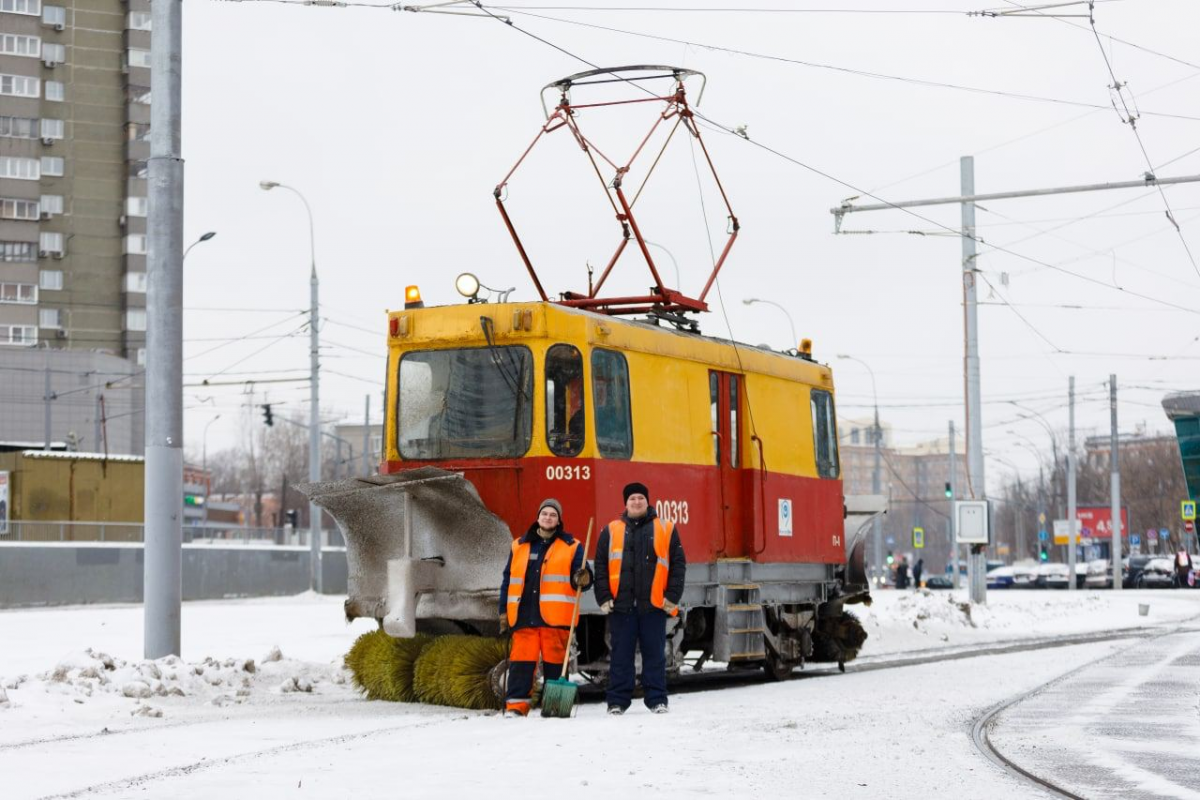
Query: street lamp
[876, 474]
[795, 341]
[314, 429]
[204, 459]
[674, 263]
[203, 238]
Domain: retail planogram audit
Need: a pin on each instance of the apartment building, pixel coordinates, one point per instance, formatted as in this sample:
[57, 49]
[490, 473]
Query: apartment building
[74, 144]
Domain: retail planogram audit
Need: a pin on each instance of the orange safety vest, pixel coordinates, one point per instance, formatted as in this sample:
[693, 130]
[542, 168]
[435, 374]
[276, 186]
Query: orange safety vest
[556, 595]
[662, 549]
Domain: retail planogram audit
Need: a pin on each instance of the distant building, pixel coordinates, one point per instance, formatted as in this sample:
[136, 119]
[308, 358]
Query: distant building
[914, 481]
[83, 400]
[353, 437]
[74, 144]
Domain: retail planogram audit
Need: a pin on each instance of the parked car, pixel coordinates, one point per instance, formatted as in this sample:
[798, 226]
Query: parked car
[1081, 568]
[1157, 573]
[1098, 575]
[939, 582]
[1000, 578]
[1052, 576]
[1024, 575]
[1131, 570]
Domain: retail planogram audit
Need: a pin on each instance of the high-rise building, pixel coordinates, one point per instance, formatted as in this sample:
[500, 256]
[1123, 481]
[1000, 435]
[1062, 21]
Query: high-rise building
[74, 142]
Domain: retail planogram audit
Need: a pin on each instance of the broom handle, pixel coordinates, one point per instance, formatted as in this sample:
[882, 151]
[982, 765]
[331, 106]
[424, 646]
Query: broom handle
[575, 615]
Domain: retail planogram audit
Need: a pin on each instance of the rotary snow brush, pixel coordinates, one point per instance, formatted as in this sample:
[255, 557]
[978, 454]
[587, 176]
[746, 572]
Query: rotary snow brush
[455, 670]
[382, 666]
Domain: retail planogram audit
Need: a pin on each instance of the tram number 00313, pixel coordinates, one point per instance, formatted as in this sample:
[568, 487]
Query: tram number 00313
[672, 510]
[569, 473]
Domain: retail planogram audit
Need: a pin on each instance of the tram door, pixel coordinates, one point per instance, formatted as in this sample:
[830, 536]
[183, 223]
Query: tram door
[725, 401]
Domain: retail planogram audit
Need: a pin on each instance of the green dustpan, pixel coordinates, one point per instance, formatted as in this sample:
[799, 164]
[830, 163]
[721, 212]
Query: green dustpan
[559, 694]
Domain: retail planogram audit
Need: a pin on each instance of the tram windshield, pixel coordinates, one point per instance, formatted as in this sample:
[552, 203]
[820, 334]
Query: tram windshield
[470, 403]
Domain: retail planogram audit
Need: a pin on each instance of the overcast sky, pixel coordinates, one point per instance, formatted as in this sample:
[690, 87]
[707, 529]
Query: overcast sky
[397, 127]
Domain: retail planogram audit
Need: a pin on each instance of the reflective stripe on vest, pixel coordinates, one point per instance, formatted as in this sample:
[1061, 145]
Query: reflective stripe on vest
[556, 596]
[662, 549]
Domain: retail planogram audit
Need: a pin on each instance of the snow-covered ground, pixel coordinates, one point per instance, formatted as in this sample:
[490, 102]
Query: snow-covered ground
[259, 703]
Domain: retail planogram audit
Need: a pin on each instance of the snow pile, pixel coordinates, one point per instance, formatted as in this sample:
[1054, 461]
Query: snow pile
[898, 621]
[86, 673]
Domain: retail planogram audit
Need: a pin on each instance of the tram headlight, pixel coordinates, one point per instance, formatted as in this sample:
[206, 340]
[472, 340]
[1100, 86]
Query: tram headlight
[467, 285]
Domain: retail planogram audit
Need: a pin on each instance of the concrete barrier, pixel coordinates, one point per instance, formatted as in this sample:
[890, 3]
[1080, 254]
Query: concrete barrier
[44, 574]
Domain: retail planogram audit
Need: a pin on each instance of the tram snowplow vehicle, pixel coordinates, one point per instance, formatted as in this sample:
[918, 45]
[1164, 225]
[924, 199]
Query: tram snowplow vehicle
[492, 407]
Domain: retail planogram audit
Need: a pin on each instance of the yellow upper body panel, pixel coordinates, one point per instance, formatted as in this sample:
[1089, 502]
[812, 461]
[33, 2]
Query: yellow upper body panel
[668, 376]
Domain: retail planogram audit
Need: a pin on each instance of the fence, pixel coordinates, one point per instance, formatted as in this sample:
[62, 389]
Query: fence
[62, 531]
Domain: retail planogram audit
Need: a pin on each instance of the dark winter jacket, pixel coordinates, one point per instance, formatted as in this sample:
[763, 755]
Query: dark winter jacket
[529, 614]
[637, 566]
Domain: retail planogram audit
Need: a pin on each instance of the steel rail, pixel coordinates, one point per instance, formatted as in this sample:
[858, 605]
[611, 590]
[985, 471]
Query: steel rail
[982, 725]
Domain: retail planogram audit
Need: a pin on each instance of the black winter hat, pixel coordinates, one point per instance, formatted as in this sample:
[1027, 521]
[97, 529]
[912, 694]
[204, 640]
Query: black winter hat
[635, 488]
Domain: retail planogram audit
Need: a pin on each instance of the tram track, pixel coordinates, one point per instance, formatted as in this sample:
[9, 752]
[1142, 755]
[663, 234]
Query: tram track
[708, 681]
[982, 726]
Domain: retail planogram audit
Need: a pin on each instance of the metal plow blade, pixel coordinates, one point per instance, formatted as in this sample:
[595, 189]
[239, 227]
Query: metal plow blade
[861, 510]
[418, 544]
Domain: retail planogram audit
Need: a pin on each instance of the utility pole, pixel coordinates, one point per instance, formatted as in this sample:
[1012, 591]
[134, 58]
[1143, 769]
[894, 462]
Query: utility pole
[876, 488]
[163, 570]
[366, 451]
[953, 497]
[1072, 522]
[1115, 466]
[47, 414]
[976, 485]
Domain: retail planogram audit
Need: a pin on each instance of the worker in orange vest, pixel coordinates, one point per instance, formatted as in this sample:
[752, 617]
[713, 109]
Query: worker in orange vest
[640, 568]
[545, 571]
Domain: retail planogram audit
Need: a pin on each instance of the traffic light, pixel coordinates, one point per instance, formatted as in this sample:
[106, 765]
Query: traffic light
[268, 417]
[293, 515]
[949, 491]
[1043, 553]
[890, 558]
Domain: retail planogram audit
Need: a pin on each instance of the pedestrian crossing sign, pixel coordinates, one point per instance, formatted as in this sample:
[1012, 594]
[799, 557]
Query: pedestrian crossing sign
[1187, 510]
[918, 538]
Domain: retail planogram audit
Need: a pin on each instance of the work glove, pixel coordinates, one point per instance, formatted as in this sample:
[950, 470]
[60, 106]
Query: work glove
[669, 607]
[504, 626]
[583, 578]
[606, 607]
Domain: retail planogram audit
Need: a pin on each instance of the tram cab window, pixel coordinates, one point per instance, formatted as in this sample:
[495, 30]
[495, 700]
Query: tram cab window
[610, 394]
[566, 411]
[469, 403]
[824, 426]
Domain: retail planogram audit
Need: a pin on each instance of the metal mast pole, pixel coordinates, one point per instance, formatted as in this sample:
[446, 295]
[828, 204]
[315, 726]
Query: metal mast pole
[876, 488]
[366, 451]
[46, 398]
[163, 566]
[977, 563]
[314, 429]
[1072, 521]
[953, 497]
[1115, 466]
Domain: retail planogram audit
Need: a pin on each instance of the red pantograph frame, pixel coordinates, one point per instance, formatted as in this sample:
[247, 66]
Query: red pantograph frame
[660, 298]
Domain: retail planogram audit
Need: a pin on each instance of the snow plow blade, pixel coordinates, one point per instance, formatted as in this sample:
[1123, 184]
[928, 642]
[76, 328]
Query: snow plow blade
[861, 510]
[419, 544]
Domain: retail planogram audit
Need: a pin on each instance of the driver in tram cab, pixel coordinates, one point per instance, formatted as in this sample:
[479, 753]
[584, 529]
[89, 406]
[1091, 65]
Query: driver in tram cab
[640, 568]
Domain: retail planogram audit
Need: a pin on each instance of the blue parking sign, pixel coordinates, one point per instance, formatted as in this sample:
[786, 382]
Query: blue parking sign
[1135, 540]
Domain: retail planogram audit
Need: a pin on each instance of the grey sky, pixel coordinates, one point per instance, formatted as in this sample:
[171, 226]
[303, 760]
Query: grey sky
[397, 127]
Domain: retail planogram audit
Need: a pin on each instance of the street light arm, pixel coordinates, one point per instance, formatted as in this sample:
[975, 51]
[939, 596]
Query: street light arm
[752, 300]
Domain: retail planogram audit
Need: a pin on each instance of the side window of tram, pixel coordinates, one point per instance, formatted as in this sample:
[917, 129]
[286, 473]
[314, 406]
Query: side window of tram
[610, 395]
[715, 411]
[566, 416]
[824, 426]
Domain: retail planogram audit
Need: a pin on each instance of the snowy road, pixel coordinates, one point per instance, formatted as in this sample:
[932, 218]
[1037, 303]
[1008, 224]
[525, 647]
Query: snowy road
[291, 725]
[1127, 727]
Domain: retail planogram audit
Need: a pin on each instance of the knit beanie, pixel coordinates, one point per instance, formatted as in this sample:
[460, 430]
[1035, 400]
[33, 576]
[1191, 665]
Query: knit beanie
[635, 488]
[552, 503]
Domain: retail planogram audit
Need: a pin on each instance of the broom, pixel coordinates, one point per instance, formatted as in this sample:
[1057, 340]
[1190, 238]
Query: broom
[559, 694]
